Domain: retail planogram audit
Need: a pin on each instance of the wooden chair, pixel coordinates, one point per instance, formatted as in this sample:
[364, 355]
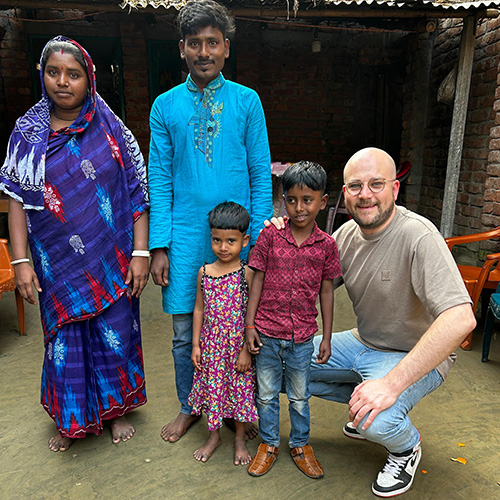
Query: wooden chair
[7, 283]
[477, 279]
[339, 208]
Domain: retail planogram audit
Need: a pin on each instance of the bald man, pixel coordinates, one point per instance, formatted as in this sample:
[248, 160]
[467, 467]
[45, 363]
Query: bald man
[412, 310]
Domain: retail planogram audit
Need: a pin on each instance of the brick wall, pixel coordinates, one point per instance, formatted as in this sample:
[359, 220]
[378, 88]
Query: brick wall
[319, 106]
[15, 87]
[135, 78]
[477, 198]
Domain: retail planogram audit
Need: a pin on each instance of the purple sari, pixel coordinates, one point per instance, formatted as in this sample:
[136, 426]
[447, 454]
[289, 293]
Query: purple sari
[82, 187]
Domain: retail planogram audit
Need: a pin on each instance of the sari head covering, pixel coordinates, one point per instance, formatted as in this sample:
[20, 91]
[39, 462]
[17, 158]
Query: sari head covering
[82, 187]
[24, 165]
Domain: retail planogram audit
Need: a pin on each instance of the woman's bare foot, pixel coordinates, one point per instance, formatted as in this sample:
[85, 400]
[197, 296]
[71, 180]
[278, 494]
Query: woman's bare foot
[174, 430]
[60, 443]
[205, 452]
[121, 429]
[251, 430]
[241, 454]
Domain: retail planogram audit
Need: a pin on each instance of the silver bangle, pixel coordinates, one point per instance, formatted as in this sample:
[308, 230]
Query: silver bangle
[140, 253]
[18, 261]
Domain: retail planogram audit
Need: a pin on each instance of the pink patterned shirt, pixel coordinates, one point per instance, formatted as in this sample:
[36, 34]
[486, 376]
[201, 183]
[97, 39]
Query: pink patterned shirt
[293, 277]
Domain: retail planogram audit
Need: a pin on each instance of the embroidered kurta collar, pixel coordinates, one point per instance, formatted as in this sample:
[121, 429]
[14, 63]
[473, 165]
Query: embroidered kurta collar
[216, 83]
[207, 117]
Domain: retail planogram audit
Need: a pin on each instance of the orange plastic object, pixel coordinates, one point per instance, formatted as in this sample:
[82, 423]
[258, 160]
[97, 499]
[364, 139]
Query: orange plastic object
[7, 283]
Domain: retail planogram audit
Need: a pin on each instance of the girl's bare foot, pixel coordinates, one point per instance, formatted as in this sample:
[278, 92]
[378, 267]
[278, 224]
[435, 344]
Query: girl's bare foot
[241, 454]
[60, 443]
[174, 430]
[205, 452]
[121, 429]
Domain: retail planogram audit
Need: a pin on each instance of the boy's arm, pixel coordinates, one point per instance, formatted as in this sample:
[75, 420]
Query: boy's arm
[252, 337]
[326, 304]
[197, 323]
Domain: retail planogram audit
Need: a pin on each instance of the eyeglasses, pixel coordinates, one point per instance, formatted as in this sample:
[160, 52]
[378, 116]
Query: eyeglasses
[374, 185]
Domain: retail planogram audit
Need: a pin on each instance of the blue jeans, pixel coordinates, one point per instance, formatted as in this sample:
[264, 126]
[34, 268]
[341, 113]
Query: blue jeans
[181, 351]
[352, 362]
[277, 359]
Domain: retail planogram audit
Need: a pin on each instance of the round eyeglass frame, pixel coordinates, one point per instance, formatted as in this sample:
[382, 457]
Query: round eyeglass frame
[362, 185]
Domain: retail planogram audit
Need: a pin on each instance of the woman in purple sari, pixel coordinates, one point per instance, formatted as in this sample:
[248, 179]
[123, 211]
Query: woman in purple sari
[78, 194]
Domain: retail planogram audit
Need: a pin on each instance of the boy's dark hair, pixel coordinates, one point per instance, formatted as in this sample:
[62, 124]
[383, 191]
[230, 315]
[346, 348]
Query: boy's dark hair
[198, 14]
[305, 173]
[229, 215]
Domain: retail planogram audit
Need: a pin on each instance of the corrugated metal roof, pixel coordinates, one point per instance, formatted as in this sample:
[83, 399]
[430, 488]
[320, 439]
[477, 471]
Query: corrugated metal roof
[416, 4]
[310, 4]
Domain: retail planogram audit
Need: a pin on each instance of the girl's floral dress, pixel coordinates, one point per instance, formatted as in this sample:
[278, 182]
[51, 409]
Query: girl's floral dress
[219, 390]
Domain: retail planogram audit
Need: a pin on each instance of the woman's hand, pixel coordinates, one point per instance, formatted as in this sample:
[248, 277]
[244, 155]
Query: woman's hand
[137, 275]
[25, 279]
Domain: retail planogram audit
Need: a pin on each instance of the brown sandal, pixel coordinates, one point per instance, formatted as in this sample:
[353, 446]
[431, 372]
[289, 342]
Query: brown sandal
[304, 459]
[263, 460]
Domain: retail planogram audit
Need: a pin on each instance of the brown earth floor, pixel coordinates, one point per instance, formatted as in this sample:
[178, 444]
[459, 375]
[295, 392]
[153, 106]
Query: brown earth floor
[464, 410]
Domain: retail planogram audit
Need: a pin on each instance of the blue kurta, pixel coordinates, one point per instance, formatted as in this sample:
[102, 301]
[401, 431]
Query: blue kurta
[206, 147]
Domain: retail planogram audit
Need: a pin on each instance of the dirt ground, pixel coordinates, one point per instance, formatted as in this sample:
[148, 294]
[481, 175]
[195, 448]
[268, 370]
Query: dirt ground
[464, 410]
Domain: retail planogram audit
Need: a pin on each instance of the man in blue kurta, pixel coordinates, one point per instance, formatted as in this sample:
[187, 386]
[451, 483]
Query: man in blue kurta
[208, 144]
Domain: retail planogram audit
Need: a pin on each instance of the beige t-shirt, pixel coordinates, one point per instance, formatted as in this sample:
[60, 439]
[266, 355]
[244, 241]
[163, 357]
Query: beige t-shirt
[399, 280]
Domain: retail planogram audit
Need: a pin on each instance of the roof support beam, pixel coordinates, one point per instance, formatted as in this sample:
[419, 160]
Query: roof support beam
[264, 12]
[462, 88]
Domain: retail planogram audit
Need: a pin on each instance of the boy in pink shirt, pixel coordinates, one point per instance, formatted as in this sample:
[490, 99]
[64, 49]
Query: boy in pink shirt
[292, 267]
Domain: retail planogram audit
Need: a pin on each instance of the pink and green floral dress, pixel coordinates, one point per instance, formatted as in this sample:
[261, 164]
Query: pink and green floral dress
[219, 390]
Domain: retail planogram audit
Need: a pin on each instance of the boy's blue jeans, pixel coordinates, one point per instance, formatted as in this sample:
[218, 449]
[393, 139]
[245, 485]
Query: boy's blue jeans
[352, 362]
[277, 359]
[181, 352]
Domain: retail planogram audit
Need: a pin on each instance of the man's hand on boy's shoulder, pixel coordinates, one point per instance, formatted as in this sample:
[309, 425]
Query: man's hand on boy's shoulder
[277, 222]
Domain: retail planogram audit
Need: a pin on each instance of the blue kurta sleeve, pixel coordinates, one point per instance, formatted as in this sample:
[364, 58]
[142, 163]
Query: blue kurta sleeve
[160, 179]
[259, 167]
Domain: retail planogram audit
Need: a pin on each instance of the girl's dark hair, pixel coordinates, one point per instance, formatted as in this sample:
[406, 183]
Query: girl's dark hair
[60, 46]
[198, 14]
[305, 173]
[229, 215]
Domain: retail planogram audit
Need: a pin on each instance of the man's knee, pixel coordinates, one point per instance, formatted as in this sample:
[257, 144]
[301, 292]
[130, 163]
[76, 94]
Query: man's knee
[386, 426]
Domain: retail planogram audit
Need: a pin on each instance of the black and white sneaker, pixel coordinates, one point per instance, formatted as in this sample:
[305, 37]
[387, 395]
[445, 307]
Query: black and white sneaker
[351, 432]
[397, 475]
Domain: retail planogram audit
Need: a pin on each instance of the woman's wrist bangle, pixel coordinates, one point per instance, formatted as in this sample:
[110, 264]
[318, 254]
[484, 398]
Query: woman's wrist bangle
[251, 327]
[18, 261]
[140, 253]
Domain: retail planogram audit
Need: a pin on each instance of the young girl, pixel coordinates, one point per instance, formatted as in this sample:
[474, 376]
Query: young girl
[224, 379]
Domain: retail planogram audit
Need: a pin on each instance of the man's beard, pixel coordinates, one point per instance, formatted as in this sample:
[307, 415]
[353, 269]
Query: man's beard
[380, 219]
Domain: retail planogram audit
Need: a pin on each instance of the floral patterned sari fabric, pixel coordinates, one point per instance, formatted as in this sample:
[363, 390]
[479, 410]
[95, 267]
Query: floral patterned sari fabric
[82, 187]
[219, 390]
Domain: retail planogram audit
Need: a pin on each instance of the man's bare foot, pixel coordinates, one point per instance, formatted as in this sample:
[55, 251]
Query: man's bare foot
[121, 429]
[241, 454]
[174, 430]
[205, 452]
[60, 443]
[251, 430]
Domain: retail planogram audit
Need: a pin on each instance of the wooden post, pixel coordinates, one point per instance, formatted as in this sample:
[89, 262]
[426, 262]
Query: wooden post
[465, 60]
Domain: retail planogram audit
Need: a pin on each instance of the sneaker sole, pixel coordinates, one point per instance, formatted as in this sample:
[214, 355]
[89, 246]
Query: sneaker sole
[359, 437]
[390, 494]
